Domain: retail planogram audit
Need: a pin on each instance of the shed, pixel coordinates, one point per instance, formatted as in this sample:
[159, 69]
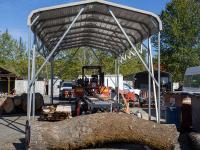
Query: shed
[7, 80]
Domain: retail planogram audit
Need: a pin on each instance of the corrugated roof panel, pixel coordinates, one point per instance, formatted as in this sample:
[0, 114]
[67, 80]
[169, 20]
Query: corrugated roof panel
[95, 22]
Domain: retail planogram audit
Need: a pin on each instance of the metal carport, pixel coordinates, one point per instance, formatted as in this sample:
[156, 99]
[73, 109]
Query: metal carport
[96, 24]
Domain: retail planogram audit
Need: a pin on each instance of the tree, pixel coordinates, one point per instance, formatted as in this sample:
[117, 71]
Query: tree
[180, 42]
[13, 54]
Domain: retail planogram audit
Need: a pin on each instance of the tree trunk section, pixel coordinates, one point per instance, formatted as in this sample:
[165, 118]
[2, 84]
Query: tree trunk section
[100, 128]
[17, 101]
[24, 102]
[8, 105]
[1, 105]
[39, 102]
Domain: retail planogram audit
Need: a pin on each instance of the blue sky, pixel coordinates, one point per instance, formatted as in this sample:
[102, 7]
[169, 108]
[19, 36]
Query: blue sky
[14, 13]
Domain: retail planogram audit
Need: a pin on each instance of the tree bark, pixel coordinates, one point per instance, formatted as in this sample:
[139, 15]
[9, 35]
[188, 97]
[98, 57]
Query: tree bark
[8, 105]
[39, 101]
[90, 130]
[17, 101]
[1, 105]
[24, 102]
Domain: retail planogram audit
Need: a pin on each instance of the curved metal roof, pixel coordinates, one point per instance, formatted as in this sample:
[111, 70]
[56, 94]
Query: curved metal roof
[95, 28]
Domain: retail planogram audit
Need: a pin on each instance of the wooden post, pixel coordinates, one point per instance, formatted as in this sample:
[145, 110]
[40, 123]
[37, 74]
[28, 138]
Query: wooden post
[8, 85]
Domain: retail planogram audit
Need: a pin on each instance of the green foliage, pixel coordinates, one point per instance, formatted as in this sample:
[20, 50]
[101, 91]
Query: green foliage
[180, 38]
[13, 54]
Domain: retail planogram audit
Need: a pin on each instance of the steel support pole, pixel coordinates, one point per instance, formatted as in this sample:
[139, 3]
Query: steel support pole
[54, 49]
[52, 76]
[159, 76]
[149, 82]
[117, 79]
[33, 74]
[29, 72]
[154, 86]
[132, 45]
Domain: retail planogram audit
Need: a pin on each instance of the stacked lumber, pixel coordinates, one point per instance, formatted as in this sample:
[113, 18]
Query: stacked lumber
[18, 103]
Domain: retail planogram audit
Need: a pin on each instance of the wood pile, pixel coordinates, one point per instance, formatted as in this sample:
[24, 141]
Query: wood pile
[100, 128]
[55, 113]
[18, 103]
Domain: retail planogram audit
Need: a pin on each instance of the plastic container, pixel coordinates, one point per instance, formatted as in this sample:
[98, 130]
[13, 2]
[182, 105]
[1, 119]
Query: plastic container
[173, 116]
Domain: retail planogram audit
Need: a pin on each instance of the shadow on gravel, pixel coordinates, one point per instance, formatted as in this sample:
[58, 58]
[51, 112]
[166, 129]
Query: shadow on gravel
[20, 146]
[12, 124]
[184, 141]
[118, 146]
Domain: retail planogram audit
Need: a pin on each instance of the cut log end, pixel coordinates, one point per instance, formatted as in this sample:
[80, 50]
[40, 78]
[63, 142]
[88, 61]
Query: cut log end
[17, 100]
[8, 105]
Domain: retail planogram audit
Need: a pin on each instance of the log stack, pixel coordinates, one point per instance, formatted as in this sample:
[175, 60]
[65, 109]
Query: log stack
[18, 101]
[6, 105]
[100, 128]
[11, 104]
[39, 101]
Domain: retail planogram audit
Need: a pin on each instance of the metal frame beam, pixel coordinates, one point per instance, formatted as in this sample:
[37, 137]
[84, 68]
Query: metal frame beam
[32, 82]
[86, 43]
[95, 33]
[92, 38]
[89, 27]
[91, 46]
[29, 93]
[57, 45]
[132, 45]
[133, 31]
[148, 69]
[142, 24]
[152, 71]
[149, 82]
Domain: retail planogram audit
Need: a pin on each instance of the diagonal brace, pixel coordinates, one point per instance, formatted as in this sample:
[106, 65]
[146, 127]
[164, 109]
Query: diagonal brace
[132, 45]
[52, 52]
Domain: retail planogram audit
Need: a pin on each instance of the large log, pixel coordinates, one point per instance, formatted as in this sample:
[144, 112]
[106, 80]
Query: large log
[39, 101]
[1, 104]
[24, 102]
[17, 100]
[89, 130]
[8, 105]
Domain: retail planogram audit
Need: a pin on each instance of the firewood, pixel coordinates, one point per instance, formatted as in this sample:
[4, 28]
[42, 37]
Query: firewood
[8, 105]
[100, 128]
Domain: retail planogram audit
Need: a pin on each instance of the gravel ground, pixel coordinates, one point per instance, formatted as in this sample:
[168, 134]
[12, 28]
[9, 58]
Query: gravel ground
[12, 129]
